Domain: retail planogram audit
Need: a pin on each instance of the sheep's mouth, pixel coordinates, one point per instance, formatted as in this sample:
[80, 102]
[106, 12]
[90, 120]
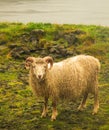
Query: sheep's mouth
[40, 79]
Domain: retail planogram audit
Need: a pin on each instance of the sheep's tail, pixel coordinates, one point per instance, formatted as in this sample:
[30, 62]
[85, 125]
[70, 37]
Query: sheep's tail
[98, 65]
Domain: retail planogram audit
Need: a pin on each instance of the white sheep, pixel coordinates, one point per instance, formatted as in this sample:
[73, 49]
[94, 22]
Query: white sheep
[68, 79]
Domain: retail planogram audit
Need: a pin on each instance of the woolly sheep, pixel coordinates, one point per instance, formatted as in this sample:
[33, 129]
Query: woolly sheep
[68, 79]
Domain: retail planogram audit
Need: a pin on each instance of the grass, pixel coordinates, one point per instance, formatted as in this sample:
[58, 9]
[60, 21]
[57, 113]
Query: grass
[19, 109]
[100, 33]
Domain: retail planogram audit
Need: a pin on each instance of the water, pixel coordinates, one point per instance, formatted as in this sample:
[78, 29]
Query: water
[56, 11]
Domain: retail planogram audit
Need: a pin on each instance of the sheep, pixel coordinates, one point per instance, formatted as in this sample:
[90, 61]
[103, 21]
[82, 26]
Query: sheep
[65, 80]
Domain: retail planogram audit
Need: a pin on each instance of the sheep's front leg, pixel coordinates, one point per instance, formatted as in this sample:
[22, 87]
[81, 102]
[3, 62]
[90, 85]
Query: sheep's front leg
[45, 108]
[54, 112]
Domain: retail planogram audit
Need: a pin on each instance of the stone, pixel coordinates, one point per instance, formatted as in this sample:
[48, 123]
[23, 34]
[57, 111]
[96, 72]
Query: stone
[52, 50]
[71, 39]
[69, 52]
[11, 46]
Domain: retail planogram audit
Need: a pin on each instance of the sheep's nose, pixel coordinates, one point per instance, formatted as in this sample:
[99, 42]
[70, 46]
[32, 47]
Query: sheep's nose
[39, 76]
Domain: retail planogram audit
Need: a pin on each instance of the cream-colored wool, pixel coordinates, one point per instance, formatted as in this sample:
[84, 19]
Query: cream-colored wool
[66, 80]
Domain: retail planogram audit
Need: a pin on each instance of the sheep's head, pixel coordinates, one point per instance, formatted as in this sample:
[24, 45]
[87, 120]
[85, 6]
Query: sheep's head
[39, 66]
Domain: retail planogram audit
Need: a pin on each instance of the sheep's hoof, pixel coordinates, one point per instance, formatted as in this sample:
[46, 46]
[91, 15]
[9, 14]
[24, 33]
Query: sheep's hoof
[94, 112]
[81, 108]
[53, 118]
[43, 115]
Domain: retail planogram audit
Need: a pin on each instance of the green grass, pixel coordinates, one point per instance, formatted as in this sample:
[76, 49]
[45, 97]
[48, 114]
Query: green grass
[19, 109]
[100, 33]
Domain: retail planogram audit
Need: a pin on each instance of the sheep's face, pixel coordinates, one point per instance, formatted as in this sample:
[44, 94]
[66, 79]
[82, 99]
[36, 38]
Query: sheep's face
[39, 70]
[39, 66]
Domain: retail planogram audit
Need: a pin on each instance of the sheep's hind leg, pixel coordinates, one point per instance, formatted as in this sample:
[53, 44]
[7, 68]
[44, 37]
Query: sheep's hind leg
[45, 109]
[96, 103]
[54, 113]
[83, 103]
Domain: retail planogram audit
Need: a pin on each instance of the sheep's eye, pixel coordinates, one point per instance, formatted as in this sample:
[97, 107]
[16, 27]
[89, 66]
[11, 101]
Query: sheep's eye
[33, 66]
[45, 66]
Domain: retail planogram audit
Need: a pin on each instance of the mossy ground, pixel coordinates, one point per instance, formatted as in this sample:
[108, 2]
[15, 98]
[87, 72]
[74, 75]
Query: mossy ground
[20, 110]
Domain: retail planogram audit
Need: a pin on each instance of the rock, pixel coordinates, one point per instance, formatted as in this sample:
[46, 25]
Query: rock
[33, 50]
[70, 36]
[47, 45]
[69, 52]
[58, 35]
[71, 39]
[34, 36]
[58, 50]
[63, 51]
[38, 32]
[52, 50]
[2, 70]
[25, 37]
[61, 47]
[11, 46]
[42, 43]
[43, 53]
[33, 40]
[18, 51]
[79, 32]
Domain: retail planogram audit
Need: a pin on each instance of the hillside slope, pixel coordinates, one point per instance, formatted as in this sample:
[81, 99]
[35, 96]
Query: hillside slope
[19, 110]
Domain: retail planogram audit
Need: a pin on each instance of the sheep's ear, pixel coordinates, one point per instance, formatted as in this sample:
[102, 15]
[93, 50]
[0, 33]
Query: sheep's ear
[49, 60]
[28, 62]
